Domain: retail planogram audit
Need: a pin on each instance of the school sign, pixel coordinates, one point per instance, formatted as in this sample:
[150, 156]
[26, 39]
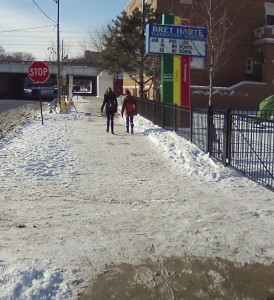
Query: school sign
[175, 40]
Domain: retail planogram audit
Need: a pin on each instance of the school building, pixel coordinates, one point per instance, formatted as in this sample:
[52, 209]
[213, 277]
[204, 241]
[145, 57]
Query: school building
[246, 72]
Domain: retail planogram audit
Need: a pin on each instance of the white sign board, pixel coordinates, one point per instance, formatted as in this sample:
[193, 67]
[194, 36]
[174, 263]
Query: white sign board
[176, 40]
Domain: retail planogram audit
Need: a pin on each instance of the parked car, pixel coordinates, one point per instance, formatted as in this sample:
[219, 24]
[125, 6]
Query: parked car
[47, 93]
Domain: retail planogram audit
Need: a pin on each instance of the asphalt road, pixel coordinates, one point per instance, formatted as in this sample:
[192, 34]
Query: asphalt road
[6, 105]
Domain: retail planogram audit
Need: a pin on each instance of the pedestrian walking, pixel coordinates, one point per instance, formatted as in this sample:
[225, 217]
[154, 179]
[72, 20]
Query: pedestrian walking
[110, 101]
[129, 107]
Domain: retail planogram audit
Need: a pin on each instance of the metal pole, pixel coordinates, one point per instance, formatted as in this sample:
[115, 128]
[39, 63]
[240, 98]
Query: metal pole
[41, 106]
[142, 50]
[143, 18]
[58, 52]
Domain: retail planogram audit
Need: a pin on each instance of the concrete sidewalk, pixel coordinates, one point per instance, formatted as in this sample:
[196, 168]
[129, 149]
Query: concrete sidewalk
[136, 176]
[128, 161]
[76, 200]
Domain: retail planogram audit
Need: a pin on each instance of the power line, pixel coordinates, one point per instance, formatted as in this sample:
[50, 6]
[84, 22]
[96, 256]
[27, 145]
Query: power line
[23, 29]
[40, 43]
[19, 6]
[43, 11]
[38, 37]
[48, 31]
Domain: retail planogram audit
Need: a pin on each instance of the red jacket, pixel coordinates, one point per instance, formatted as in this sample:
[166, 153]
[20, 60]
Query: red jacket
[129, 106]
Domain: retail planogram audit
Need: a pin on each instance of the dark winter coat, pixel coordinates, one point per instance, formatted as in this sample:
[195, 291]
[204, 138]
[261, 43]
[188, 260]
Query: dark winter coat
[129, 106]
[110, 101]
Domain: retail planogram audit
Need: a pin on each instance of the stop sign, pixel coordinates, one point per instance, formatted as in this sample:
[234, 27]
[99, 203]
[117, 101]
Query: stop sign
[38, 72]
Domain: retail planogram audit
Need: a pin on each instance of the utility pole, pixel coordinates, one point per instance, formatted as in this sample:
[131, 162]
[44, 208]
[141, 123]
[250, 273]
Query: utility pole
[142, 51]
[58, 51]
[211, 54]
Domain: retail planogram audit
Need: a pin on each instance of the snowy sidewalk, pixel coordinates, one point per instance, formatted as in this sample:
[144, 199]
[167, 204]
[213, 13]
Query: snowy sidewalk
[75, 199]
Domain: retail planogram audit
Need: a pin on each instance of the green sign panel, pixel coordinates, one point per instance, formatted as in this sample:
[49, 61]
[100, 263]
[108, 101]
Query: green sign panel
[167, 69]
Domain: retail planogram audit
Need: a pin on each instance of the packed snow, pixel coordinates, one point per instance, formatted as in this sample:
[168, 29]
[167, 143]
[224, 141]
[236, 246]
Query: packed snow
[75, 198]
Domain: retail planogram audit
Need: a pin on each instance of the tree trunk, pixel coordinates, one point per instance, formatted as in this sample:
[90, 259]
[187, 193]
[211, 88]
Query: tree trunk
[141, 84]
[210, 88]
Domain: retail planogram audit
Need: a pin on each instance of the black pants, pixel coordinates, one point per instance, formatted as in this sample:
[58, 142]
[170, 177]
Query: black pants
[110, 117]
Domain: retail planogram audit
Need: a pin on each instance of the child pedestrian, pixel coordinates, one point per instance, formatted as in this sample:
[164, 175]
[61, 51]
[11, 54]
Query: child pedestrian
[130, 108]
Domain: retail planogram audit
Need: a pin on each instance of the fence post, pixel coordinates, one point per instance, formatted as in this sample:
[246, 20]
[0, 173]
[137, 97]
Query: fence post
[191, 123]
[163, 122]
[227, 137]
[153, 111]
[209, 124]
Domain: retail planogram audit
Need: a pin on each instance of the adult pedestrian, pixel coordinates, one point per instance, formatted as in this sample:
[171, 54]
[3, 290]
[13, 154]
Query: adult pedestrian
[129, 107]
[110, 101]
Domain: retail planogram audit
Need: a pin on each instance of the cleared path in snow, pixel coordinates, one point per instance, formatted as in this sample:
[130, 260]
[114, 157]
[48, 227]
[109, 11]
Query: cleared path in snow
[75, 199]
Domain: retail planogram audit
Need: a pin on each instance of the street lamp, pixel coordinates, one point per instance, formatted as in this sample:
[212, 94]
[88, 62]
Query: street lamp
[58, 51]
[52, 53]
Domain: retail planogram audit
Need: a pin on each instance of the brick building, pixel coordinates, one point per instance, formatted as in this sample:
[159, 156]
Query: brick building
[246, 68]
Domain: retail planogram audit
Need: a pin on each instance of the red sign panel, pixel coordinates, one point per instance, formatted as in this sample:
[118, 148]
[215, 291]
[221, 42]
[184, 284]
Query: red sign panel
[185, 75]
[38, 72]
[185, 84]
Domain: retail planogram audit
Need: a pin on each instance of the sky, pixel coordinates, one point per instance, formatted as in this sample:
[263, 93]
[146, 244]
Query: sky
[26, 28]
[75, 199]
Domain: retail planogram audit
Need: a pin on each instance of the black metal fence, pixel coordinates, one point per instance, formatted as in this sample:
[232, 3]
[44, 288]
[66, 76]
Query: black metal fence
[236, 138]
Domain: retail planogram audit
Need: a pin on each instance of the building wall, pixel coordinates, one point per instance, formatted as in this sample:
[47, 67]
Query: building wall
[244, 95]
[243, 27]
[104, 80]
[254, 41]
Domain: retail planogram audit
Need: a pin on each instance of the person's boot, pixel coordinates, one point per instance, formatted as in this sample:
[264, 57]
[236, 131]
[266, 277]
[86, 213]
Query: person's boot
[112, 128]
[127, 128]
[107, 126]
[132, 132]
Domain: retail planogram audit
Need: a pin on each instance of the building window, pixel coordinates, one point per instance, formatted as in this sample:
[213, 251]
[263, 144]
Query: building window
[269, 13]
[186, 1]
[269, 20]
[249, 66]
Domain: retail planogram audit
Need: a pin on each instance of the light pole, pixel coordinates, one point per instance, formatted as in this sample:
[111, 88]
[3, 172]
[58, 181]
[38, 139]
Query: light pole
[58, 51]
[52, 54]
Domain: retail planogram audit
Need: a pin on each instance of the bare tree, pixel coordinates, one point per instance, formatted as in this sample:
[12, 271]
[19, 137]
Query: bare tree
[2, 53]
[95, 39]
[15, 56]
[20, 56]
[218, 17]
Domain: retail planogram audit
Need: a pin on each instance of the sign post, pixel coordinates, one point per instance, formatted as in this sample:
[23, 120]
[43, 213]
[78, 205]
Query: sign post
[39, 73]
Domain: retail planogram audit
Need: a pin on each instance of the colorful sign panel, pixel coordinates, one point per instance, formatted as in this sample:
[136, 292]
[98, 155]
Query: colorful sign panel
[185, 75]
[167, 69]
[177, 72]
[175, 40]
[185, 81]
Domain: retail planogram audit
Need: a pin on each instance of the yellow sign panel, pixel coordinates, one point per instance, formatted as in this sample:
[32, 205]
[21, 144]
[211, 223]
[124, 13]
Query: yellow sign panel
[62, 81]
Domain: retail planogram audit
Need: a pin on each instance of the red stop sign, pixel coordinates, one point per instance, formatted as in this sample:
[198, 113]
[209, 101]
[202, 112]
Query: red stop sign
[38, 72]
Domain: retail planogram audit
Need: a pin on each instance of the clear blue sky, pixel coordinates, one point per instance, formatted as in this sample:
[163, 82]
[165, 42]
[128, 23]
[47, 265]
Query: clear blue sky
[77, 19]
